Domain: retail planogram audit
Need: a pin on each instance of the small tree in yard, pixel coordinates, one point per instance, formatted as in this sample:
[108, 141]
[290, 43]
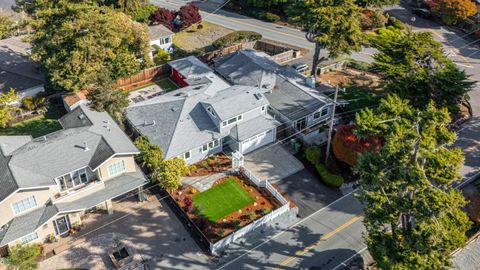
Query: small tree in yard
[6, 109]
[189, 14]
[347, 146]
[23, 257]
[171, 172]
[151, 155]
[6, 26]
[161, 57]
[164, 17]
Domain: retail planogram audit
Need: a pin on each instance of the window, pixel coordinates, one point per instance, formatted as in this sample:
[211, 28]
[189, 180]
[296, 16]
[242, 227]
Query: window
[205, 148]
[73, 179]
[186, 155]
[116, 168]
[210, 145]
[24, 205]
[211, 111]
[29, 238]
[263, 108]
[232, 120]
[316, 115]
[324, 111]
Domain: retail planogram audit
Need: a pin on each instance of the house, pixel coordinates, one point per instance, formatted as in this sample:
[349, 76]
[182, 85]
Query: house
[48, 183]
[241, 113]
[204, 117]
[17, 70]
[291, 99]
[161, 37]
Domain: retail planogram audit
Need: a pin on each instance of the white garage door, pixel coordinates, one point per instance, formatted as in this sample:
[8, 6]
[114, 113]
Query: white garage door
[257, 141]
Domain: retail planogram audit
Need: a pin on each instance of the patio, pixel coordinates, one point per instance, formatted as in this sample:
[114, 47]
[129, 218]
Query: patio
[149, 228]
[151, 90]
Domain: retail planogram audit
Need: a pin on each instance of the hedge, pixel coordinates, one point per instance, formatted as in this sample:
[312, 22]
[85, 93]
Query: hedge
[235, 38]
[313, 154]
[265, 15]
[329, 178]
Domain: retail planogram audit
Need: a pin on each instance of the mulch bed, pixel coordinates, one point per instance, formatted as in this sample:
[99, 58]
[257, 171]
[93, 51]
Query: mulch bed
[214, 231]
[213, 164]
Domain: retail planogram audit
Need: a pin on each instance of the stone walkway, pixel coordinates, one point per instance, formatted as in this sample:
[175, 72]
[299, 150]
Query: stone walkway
[202, 183]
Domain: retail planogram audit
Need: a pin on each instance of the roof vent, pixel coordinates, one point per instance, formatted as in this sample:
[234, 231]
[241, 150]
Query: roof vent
[85, 146]
[145, 123]
[174, 109]
[258, 96]
[81, 116]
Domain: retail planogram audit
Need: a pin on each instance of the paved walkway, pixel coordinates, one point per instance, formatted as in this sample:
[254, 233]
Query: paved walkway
[202, 183]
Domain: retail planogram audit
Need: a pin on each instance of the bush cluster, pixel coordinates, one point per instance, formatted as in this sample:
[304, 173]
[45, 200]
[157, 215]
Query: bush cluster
[265, 16]
[313, 155]
[235, 38]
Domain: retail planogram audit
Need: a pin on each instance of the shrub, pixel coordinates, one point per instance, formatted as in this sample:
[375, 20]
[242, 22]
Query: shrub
[252, 216]
[313, 154]
[187, 201]
[360, 65]
[196, 210]
[161, 57]
[165, 17]
[189, 14]
[265, 15]
[235, 38]
[235, 224]
[23, 257]
[395, 23]
[347, 146]
[328, 178]
[265, 211]
[6, 26]
[171, 172]
[143, 13]
[221, 232]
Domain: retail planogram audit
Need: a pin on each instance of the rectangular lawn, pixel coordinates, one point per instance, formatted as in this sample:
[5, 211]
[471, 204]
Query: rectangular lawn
[167, 85]
[222, 199]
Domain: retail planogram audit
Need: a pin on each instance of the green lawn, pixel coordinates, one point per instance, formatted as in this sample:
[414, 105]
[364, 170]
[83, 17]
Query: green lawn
[222, 200]
[167, 85]
[38, 126]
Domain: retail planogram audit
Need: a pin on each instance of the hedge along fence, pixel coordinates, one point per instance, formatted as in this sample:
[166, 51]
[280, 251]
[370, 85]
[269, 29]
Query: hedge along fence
[235, 38]
[313, 155]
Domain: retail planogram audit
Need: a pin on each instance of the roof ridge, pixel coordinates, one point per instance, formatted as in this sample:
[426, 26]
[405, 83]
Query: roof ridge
[174, 128]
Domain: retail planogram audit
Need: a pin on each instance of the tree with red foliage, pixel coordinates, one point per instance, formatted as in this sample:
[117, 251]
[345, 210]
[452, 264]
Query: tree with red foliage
[165, 17]
[189, 14]
[452, 11]
[347, 146]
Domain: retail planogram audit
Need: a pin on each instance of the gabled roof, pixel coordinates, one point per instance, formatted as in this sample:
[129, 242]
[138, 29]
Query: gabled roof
[284, 88]
[247, 129]
[235, 100]
[190, 67]
[88, 139]
[159, 31]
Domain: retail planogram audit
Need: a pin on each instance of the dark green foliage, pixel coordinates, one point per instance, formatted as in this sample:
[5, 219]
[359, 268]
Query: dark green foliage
[265, 15]
[236, 38]
[415, 67]
[413, 216]
[357, 64]
[395, 23]
[313, 154]
[329, 178]
[6, 26]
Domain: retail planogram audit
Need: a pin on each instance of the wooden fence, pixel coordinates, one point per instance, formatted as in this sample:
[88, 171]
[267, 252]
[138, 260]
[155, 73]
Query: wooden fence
[143, 77]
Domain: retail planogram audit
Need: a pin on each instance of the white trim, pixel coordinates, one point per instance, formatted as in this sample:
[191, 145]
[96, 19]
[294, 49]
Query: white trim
[79, 191]
[119, 172]
[27, 242]
[112, 156]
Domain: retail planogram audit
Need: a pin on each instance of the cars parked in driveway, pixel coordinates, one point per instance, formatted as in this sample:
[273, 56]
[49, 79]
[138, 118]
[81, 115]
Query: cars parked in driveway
[300, 67]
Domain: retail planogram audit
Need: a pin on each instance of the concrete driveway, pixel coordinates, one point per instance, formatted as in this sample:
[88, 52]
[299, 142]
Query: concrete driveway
[272, 162]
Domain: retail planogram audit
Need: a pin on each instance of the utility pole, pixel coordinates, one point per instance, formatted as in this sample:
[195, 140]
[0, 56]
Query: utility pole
[330, 129]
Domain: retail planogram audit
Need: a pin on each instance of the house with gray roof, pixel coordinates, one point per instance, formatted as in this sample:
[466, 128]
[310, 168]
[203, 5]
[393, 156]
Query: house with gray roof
[291, 99]
[160, 38]
[48, 183]
[205, 116]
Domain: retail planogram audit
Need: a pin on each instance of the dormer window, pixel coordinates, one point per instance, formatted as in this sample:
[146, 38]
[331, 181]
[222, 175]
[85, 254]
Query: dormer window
[72, 179]
[211, 111]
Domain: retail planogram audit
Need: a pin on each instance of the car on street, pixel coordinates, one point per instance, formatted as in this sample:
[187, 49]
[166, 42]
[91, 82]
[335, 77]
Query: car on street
[422, 12]
[300, 67]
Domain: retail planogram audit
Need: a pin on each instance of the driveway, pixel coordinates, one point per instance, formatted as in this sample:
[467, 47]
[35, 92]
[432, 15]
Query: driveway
[150, 228]
[272, 162]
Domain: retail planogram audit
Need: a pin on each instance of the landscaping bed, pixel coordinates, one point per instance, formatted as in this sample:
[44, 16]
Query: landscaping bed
[230, 204]
[213, 164]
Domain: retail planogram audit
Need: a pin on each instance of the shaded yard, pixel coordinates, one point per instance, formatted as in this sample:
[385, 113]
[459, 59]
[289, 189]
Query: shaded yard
[222, 200]
[166, 84]
[37, 126]
[193, 38]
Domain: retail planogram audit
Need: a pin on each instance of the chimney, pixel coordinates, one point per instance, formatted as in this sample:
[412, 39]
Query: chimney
[85, 146]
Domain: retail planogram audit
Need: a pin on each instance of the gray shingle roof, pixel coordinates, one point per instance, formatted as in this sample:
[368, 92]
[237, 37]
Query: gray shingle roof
[235, 100]
[190, 67]
[247, 129]
[158, 31]
[27, 223]
[8, 184]
[8, 144]
[37, 162]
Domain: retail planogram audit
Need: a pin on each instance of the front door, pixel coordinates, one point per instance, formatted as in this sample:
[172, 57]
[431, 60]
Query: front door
[301, 124]
[62, 225]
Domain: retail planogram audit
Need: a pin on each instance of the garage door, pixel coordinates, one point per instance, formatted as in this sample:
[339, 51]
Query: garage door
[257, 141]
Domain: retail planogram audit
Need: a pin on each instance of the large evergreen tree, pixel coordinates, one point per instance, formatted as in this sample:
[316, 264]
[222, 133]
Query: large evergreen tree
[415, 67]
[413, 215]
[332, 25]
[74, 40]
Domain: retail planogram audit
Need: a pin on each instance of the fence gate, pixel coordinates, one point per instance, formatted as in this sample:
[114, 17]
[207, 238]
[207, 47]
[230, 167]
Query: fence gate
[237, 160]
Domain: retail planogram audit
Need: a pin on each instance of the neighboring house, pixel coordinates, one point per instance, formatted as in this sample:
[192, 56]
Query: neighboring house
[208, 115]
[291, 100]
[205, 116]
[160, 36]
[72, 100]
[17, 70]
[48, 183]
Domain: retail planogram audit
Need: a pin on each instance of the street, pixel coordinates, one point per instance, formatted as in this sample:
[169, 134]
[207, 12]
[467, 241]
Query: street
[333, 234]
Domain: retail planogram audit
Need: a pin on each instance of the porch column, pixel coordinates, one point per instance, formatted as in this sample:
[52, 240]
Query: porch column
[109, 206]
[141, 194]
